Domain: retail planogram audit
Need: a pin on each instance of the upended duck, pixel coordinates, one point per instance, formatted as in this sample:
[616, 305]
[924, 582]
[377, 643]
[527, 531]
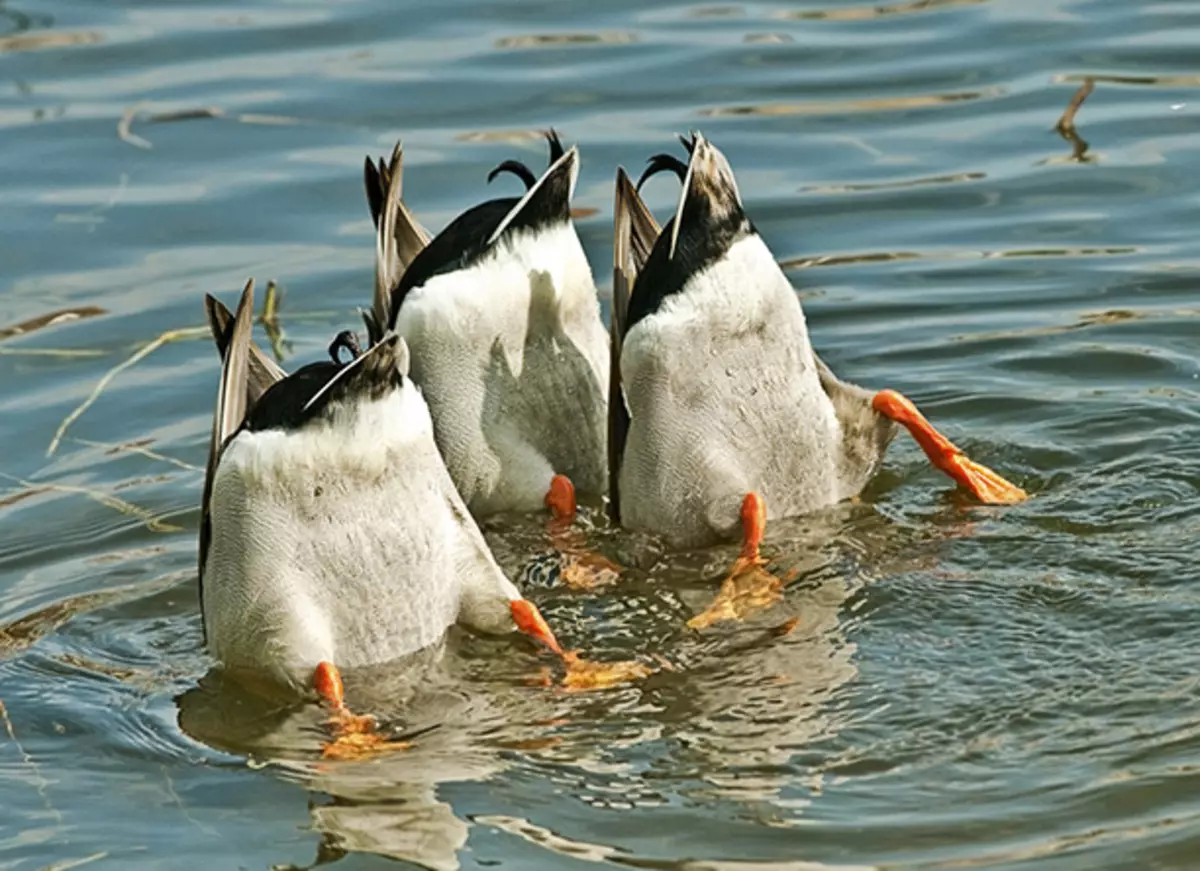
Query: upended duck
[721, 413]
[331, 535]
[502, 320]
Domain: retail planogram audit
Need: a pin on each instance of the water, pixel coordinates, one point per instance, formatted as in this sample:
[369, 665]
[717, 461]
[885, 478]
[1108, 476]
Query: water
[966, 687]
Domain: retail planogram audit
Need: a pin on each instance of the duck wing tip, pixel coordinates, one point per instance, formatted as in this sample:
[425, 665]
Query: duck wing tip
[231, 396]
[399, 235]
[231, 405]
[263, 371]
[632, 224]
[375, 188]
[218, 316]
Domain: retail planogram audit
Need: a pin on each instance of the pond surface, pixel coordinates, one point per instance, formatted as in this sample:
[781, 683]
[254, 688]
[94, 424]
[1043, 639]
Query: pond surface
[965, 687]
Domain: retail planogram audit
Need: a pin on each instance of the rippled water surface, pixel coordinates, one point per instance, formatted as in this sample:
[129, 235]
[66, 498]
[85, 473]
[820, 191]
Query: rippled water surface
[965, 687]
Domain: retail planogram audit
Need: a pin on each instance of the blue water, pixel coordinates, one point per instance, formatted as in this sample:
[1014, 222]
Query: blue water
[966, 687]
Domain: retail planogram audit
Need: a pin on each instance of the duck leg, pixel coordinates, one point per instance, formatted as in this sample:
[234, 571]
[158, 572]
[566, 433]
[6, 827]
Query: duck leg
[987, 486]
[355, 735]
[580, 674]
[749, 586]
[754, 527]
[582, 569]
[560, 499]
[530, 621]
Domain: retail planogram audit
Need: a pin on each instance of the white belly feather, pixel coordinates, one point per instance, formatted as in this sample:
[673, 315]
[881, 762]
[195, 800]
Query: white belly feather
[724, 399]
[341, 541]
[513, 359]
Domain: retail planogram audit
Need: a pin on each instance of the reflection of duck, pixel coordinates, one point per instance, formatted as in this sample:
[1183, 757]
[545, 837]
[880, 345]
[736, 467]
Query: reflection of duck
[501, 315]
[331, 534]
[770, 695]
[721, 412]
[395, 807]
[391, 807]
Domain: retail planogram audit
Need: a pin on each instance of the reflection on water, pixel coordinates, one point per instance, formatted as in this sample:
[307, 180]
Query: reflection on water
[884, 256]
[906, 183]
[387, 806]
[943, 685]
[736, 705]
[879, 104]
[864, 13]
[597, 853]
[1154, 81]
[541, 39]
[134, 113]
[51, 319]
[47, 40]
[768, 38]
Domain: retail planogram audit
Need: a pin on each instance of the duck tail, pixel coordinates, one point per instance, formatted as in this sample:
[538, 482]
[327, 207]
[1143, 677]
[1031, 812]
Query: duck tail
[548, 200]
[369, 374]
[710, 202]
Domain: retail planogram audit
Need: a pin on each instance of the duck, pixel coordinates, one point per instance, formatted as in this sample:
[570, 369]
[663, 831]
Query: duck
[332, 536]
[502, 320]
[721, 413]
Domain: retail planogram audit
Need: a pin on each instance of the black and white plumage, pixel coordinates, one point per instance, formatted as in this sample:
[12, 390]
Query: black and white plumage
[723, 393]
[331, 531]
[502, 319]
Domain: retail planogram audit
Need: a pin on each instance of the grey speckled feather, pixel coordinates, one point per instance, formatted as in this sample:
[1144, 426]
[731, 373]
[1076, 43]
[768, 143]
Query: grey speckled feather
[511, 354]
[724, 391]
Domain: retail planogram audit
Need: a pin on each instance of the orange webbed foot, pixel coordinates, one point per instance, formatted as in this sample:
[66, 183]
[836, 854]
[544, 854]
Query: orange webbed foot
[749, 587]
[584, 570]
[983, 483]
[583, 675]
[355, 736]
[581, 568]
[356, 746]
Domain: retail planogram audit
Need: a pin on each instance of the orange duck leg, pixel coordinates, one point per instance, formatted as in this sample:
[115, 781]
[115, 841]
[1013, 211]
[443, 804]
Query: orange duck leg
[984, 484]
[582, 569]
[749, 586]
[581, 674]
[355, 736]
